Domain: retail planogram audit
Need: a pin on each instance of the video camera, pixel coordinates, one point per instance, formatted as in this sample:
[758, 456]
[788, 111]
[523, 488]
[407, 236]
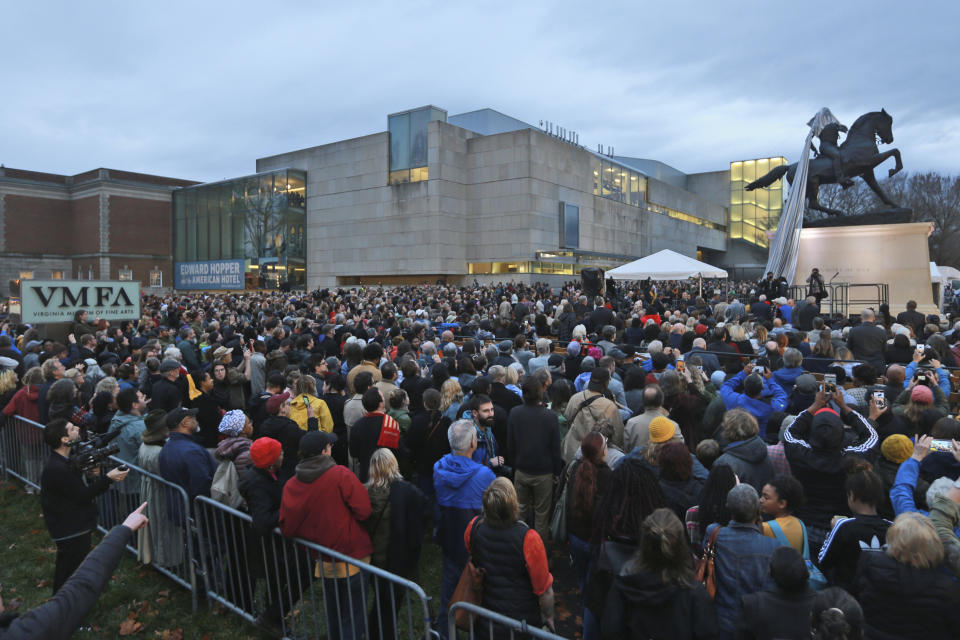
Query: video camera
[92, 452]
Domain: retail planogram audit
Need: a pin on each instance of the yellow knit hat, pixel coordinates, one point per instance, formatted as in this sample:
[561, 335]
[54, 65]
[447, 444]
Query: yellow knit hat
[897, 448]
[662, 429]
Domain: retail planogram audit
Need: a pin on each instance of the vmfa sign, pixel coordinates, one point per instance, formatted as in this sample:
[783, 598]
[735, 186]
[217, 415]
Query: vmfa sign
[58, 300]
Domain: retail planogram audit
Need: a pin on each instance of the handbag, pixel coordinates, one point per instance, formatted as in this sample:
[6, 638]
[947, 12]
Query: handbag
[469, 587]
[558, 521]
[706, 569]
[817, 581]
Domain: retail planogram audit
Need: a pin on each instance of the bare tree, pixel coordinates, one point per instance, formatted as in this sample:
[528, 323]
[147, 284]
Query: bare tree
[931, 196]
[262, 212]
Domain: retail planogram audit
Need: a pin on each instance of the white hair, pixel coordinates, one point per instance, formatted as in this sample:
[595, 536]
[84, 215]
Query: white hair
[173, 352]
[654, 347]
[461, 434]
[938, 487]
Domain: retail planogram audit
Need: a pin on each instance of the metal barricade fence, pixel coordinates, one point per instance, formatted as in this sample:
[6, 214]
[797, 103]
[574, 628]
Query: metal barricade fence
[166, 544]
[489, 624]
[169, 541]
[300, 588]
[23, 450]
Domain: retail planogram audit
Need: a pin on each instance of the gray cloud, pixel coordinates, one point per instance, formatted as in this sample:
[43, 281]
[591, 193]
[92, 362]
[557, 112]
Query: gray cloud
[200, 91]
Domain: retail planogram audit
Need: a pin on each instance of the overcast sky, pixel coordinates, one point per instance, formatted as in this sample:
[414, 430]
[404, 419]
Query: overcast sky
[200, 90]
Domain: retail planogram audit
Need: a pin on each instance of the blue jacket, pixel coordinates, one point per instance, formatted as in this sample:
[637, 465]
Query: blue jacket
[942, 374]
[131, 427]
[743, 566]
[901, 493]
[757, 407]
[459, 483]
[185, 463]
[787, 377]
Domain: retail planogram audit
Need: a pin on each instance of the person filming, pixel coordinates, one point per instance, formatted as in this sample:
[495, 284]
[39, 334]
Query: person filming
[67, 497]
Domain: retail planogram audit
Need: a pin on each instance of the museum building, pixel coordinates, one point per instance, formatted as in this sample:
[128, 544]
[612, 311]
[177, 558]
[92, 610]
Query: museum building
[484, 196]
[475, 196]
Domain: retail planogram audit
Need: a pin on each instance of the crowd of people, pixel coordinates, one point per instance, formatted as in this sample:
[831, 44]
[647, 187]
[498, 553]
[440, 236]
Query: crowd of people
[730, 465]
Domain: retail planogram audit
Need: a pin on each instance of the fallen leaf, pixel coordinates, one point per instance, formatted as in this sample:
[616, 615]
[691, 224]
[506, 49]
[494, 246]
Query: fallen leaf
[13, 605]
[130, 626]
[35, 532]
[170, 634]
[161, 600]
[43, 583]
[165, 593]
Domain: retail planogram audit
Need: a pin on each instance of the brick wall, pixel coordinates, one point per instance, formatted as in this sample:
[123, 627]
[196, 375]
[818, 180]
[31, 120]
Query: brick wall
[86, 226]
[140, 226]
[37, 225]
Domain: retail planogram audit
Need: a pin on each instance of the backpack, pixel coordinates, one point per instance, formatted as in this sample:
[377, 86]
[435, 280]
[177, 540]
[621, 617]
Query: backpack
[225, 488]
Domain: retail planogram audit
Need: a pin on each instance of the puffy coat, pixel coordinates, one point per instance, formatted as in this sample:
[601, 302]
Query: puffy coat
[900, 601]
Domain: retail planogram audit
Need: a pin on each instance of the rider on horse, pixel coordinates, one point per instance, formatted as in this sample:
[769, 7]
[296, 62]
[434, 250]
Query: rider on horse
[829, 146]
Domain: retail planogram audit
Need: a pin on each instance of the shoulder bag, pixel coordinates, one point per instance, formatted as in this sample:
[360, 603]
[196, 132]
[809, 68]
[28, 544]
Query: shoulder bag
[818, 582]
[470, 586]
[706, 569]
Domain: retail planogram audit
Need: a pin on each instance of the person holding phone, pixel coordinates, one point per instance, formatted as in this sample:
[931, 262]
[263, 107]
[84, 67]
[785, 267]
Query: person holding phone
[815, 444]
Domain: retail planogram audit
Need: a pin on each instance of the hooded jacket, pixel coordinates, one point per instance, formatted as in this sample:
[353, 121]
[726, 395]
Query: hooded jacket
[325, 503]
[640, 605]
[749, 460]
[459, 483]
[131, 427]
[25, 403]
[815, 454]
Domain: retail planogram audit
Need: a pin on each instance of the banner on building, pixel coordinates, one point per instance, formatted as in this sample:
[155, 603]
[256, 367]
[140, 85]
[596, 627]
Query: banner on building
[209, 274]
[59, 300]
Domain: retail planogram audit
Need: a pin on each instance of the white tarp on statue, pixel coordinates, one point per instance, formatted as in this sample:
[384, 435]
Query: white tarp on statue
[782, 259]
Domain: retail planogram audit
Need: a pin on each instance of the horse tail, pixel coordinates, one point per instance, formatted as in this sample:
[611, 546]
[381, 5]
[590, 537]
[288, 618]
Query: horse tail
[768, 179]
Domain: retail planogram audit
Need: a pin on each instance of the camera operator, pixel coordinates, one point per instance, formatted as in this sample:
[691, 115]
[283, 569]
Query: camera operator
[67, 496]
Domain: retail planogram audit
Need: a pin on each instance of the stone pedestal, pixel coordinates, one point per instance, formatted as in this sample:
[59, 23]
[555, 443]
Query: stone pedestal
[895, 254]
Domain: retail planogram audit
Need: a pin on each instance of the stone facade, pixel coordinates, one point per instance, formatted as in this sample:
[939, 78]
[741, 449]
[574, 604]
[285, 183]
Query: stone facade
[489, 198]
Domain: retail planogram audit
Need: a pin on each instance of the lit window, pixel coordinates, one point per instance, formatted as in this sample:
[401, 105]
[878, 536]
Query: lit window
[156, 278]
[56, 275]
[26, 275]
[126, 274]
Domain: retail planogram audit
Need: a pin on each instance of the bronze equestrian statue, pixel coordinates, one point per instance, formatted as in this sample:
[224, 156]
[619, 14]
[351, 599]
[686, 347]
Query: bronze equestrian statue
[858, 156]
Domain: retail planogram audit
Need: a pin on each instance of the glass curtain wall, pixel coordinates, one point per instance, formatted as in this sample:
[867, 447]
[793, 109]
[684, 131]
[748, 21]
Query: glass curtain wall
[408, 143]
[260, 219]
[754, 213]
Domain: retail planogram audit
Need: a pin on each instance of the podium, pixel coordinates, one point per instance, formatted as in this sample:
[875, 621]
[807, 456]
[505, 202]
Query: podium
[896, 254]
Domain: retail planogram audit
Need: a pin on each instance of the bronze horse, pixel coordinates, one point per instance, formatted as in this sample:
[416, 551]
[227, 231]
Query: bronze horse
[860, 155]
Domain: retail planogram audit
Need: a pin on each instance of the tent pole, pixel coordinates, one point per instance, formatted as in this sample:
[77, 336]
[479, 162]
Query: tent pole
[701, 284]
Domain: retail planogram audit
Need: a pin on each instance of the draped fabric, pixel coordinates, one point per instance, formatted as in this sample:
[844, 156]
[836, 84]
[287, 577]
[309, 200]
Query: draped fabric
[782, 259]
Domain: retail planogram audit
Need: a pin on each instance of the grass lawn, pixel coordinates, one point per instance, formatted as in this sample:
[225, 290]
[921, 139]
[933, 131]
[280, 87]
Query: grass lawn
[148, 604]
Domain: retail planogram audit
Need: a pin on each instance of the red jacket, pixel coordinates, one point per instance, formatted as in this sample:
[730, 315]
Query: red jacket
[24, 403]
[325, 503]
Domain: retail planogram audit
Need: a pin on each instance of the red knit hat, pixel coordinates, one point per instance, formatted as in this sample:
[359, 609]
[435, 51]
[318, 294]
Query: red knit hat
[264, 452]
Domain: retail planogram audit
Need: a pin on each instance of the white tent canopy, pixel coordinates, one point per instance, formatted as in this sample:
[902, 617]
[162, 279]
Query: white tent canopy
[665, 265]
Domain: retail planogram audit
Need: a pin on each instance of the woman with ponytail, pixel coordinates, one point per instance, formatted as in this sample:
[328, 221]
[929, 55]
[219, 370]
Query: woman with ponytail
[656, 594]
[589, 479]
